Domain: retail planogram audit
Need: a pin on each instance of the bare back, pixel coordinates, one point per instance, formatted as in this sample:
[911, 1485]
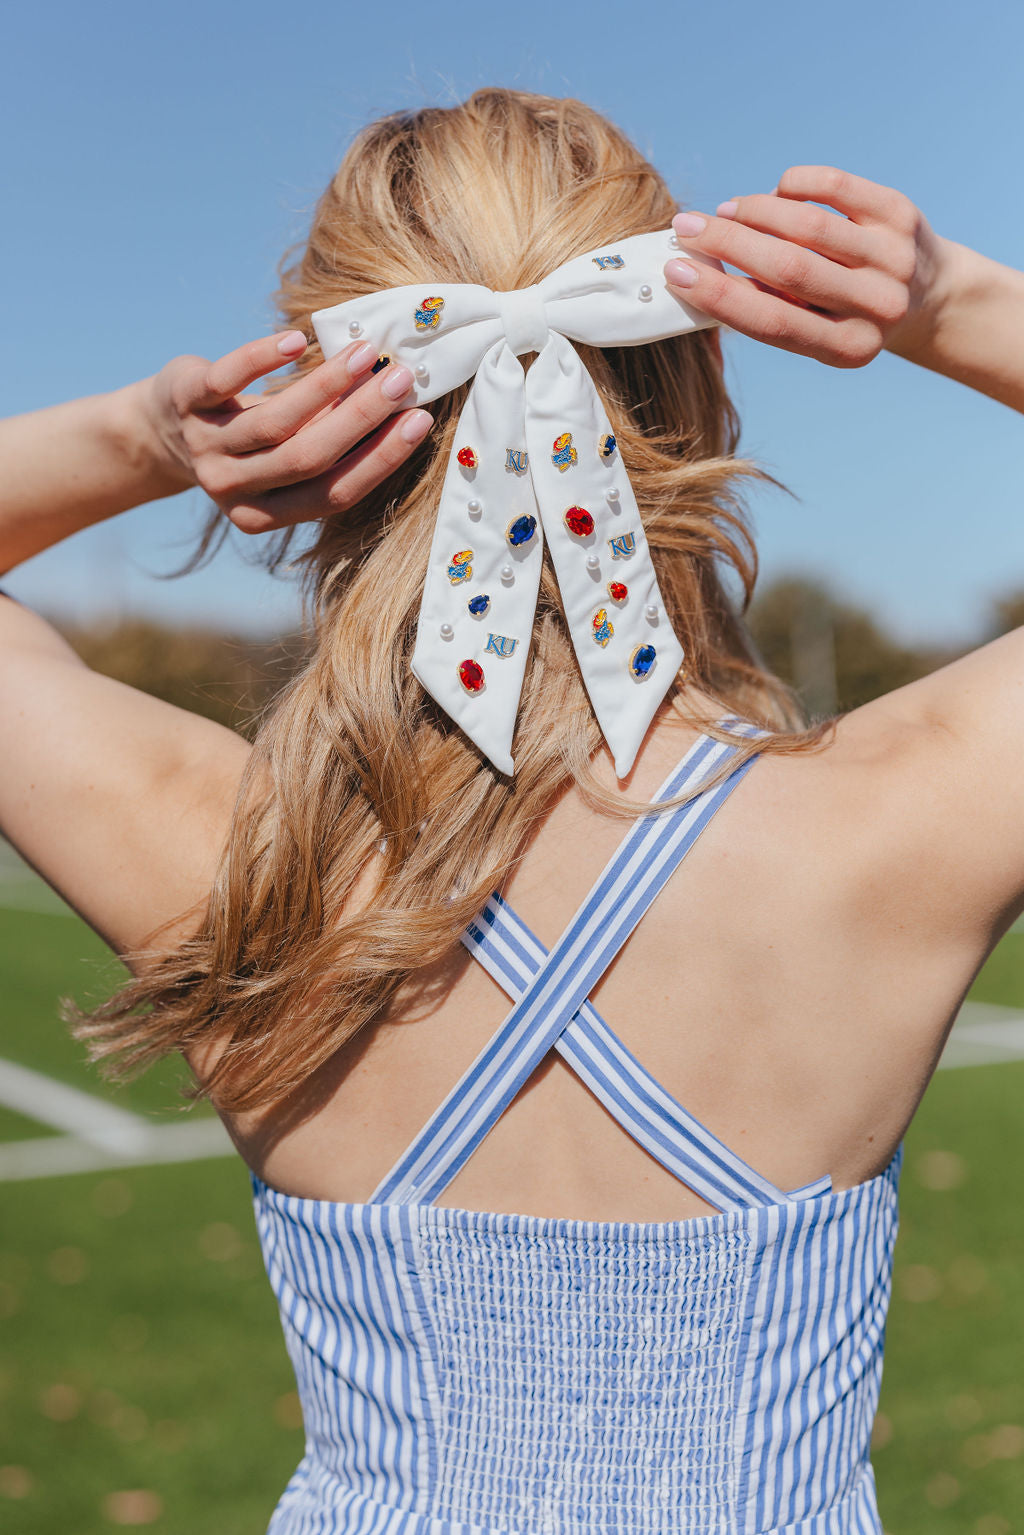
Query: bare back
[789, 987]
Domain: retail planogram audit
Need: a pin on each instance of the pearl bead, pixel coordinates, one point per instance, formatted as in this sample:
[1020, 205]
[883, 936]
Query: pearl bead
[646, 293]
[613, 494]
[673, 240]
[422, 372]
[447, 631]
[354, 328]
[474, 507]
[593, 562]
[507, 573]
[651, 612]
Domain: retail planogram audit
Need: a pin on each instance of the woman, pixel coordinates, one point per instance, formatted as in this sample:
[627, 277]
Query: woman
[630, 1296]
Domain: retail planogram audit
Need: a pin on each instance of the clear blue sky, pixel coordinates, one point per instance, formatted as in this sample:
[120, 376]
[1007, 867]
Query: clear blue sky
[158, 159]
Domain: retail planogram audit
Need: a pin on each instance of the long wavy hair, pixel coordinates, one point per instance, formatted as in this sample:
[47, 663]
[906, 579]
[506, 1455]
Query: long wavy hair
[354, 771]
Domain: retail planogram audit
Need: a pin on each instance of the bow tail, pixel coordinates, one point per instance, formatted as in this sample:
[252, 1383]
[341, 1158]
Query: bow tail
[626, 647]
[483, 575]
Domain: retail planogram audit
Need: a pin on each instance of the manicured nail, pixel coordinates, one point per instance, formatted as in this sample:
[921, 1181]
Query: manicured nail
[415, 426]
[396, 382]
[687, 224]
[291, 343]
[681, 274]
[361, 358]
[727, 210]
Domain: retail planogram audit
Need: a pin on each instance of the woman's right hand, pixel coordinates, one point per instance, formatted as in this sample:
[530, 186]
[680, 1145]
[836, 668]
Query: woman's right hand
[837, 286]
[314, 448]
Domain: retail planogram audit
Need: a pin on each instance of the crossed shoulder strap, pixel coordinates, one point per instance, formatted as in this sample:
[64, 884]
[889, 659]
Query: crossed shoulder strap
[551, 1009]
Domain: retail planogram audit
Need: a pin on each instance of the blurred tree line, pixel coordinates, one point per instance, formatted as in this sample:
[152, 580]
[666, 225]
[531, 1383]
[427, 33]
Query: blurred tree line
[837, 656]
[834, 653]
[221, 676]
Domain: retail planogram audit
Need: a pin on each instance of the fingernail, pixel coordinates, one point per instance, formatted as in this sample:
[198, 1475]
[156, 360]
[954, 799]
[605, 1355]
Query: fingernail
[361, 358]
[291, 343]
[396, 383]
[681, 274]
[687, 224]
[415, 425]
[727, 210]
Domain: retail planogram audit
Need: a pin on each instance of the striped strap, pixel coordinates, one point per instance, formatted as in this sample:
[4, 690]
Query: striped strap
[511, 954]
[634, 876]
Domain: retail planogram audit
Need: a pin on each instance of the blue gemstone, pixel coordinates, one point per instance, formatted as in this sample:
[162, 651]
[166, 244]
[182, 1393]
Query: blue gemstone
[607, 445]
[521, 530]
[479, 604]
[643, 660]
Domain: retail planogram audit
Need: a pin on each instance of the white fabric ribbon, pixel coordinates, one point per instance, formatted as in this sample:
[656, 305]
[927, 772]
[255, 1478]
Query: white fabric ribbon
[539, 441]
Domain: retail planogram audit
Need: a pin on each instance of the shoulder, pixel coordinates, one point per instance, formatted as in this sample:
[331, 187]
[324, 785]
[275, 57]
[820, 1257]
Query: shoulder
[925, 785]
[121, 801]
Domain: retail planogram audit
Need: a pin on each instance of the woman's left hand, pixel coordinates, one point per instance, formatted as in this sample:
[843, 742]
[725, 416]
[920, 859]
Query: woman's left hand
[836, 286]
[313, 449]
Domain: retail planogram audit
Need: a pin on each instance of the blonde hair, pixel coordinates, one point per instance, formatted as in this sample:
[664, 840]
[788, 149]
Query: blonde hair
[354, 768]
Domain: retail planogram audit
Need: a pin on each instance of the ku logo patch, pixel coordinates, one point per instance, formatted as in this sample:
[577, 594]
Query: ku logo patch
[500, 645]
[608, 263]
[460, 567]
[602, 628]
[563, 454]
[622, 546]
[429, 313]
[516, 460]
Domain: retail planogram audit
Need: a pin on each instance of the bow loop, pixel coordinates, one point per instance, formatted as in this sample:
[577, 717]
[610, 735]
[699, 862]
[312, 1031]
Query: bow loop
[534, 460]
[523, 317]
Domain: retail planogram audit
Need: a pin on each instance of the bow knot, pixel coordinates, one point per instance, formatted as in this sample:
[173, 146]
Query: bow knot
[534, 462]
[524, 319]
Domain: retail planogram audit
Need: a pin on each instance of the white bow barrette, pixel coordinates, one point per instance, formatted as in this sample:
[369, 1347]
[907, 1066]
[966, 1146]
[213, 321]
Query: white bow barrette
[534, 457]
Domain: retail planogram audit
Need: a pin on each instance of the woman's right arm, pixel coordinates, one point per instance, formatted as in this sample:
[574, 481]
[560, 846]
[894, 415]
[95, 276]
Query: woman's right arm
[842, 286]
[945, 755]
[972, 329]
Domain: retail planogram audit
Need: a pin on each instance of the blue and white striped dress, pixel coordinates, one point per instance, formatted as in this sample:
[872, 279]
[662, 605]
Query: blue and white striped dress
[471, 1373]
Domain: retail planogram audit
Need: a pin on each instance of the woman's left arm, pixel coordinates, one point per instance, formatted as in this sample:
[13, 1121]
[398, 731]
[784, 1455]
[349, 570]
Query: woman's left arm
[316, 447]
[120, 800]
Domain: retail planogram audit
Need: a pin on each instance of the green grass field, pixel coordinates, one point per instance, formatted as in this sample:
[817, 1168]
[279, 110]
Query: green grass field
[143, 1378]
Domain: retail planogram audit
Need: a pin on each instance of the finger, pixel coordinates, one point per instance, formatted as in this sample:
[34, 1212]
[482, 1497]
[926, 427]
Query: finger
[746, 306]
[235, 371]
[832, 235]
[272, 419]
[343, 485]
[785, 266]
[866, 202]
[314, 448]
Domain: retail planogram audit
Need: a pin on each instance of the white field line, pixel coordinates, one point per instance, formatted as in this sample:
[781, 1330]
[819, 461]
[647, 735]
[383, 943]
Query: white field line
[97, 1134]
[52, 1156]
[984, 1035]
[67, 1108]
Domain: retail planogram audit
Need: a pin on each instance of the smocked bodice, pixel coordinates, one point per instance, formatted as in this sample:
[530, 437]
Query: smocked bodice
[514, 1374]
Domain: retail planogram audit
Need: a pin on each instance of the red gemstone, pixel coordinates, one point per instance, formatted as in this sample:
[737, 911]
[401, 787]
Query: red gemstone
[617, 591]
[579, 521]
[471, 675]
[467, 458]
